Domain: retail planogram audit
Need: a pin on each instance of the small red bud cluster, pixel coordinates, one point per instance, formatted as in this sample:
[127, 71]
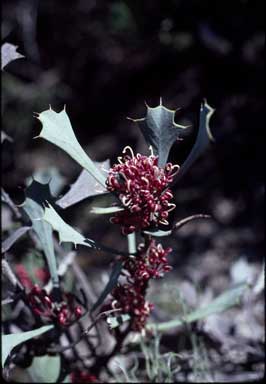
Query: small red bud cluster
[130, 297]
[64, 313]
[142, 187]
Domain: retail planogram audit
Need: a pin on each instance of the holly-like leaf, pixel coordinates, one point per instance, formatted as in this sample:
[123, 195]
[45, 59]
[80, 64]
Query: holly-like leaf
[70, 235]
[45, 369]
[9, 53]
[84, 187]
[36, 194]
[223, 302]
[110, 285]
[160, 130]
[57, 129]
[12, 340]
[65, 231]
[203, 139]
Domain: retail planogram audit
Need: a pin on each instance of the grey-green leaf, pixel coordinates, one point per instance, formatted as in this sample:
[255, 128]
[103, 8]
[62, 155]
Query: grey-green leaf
[45, 369]
[223, 302]
[32, 206]
[65, 231]
[203, 139]
[57, 129]
[12, 340]
[84, 187]
[160, 130]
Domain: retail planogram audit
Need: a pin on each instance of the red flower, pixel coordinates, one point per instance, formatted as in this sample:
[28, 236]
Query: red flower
[64, 312]
[130, 297]
[142, 187]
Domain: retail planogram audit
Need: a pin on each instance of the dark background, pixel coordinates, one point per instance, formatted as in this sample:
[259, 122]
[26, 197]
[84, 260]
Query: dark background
[103, 59]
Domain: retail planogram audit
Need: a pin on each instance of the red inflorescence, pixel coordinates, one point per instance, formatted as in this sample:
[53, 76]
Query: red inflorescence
[142, 187]
[150, 263]
[64, 313]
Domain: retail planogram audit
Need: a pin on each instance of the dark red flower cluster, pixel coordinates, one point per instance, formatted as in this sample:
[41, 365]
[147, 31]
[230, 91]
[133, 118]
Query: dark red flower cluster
[83, 377]
[130, 297]
[142, 187]
[64, 312]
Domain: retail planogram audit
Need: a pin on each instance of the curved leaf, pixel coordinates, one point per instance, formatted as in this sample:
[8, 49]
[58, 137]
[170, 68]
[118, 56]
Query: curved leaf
[160, 130]
[204, 136]
[84, 187]
[12, 340]
[110, 285]
[57, 129]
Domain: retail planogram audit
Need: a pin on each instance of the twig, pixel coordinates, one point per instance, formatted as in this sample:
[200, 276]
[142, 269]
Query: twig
[184, 221]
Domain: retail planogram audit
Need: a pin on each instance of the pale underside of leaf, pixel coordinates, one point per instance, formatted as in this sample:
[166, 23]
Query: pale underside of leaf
[84, 187]
[223, 302]
[57, 129]
[160, 130]
[12, 340]
[106, 211]
[9, 53]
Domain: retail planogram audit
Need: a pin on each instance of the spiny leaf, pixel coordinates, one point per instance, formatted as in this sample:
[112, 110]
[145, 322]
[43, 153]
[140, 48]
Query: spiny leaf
[70, 235]
[204, 136]
[160, 130]
[110, 285]
[12, 340]
[45, 369]
[58, 130]
[9, 53]
[7, 243]
[84, 187]
[36, 194]
[65, 231]
[223, 302]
